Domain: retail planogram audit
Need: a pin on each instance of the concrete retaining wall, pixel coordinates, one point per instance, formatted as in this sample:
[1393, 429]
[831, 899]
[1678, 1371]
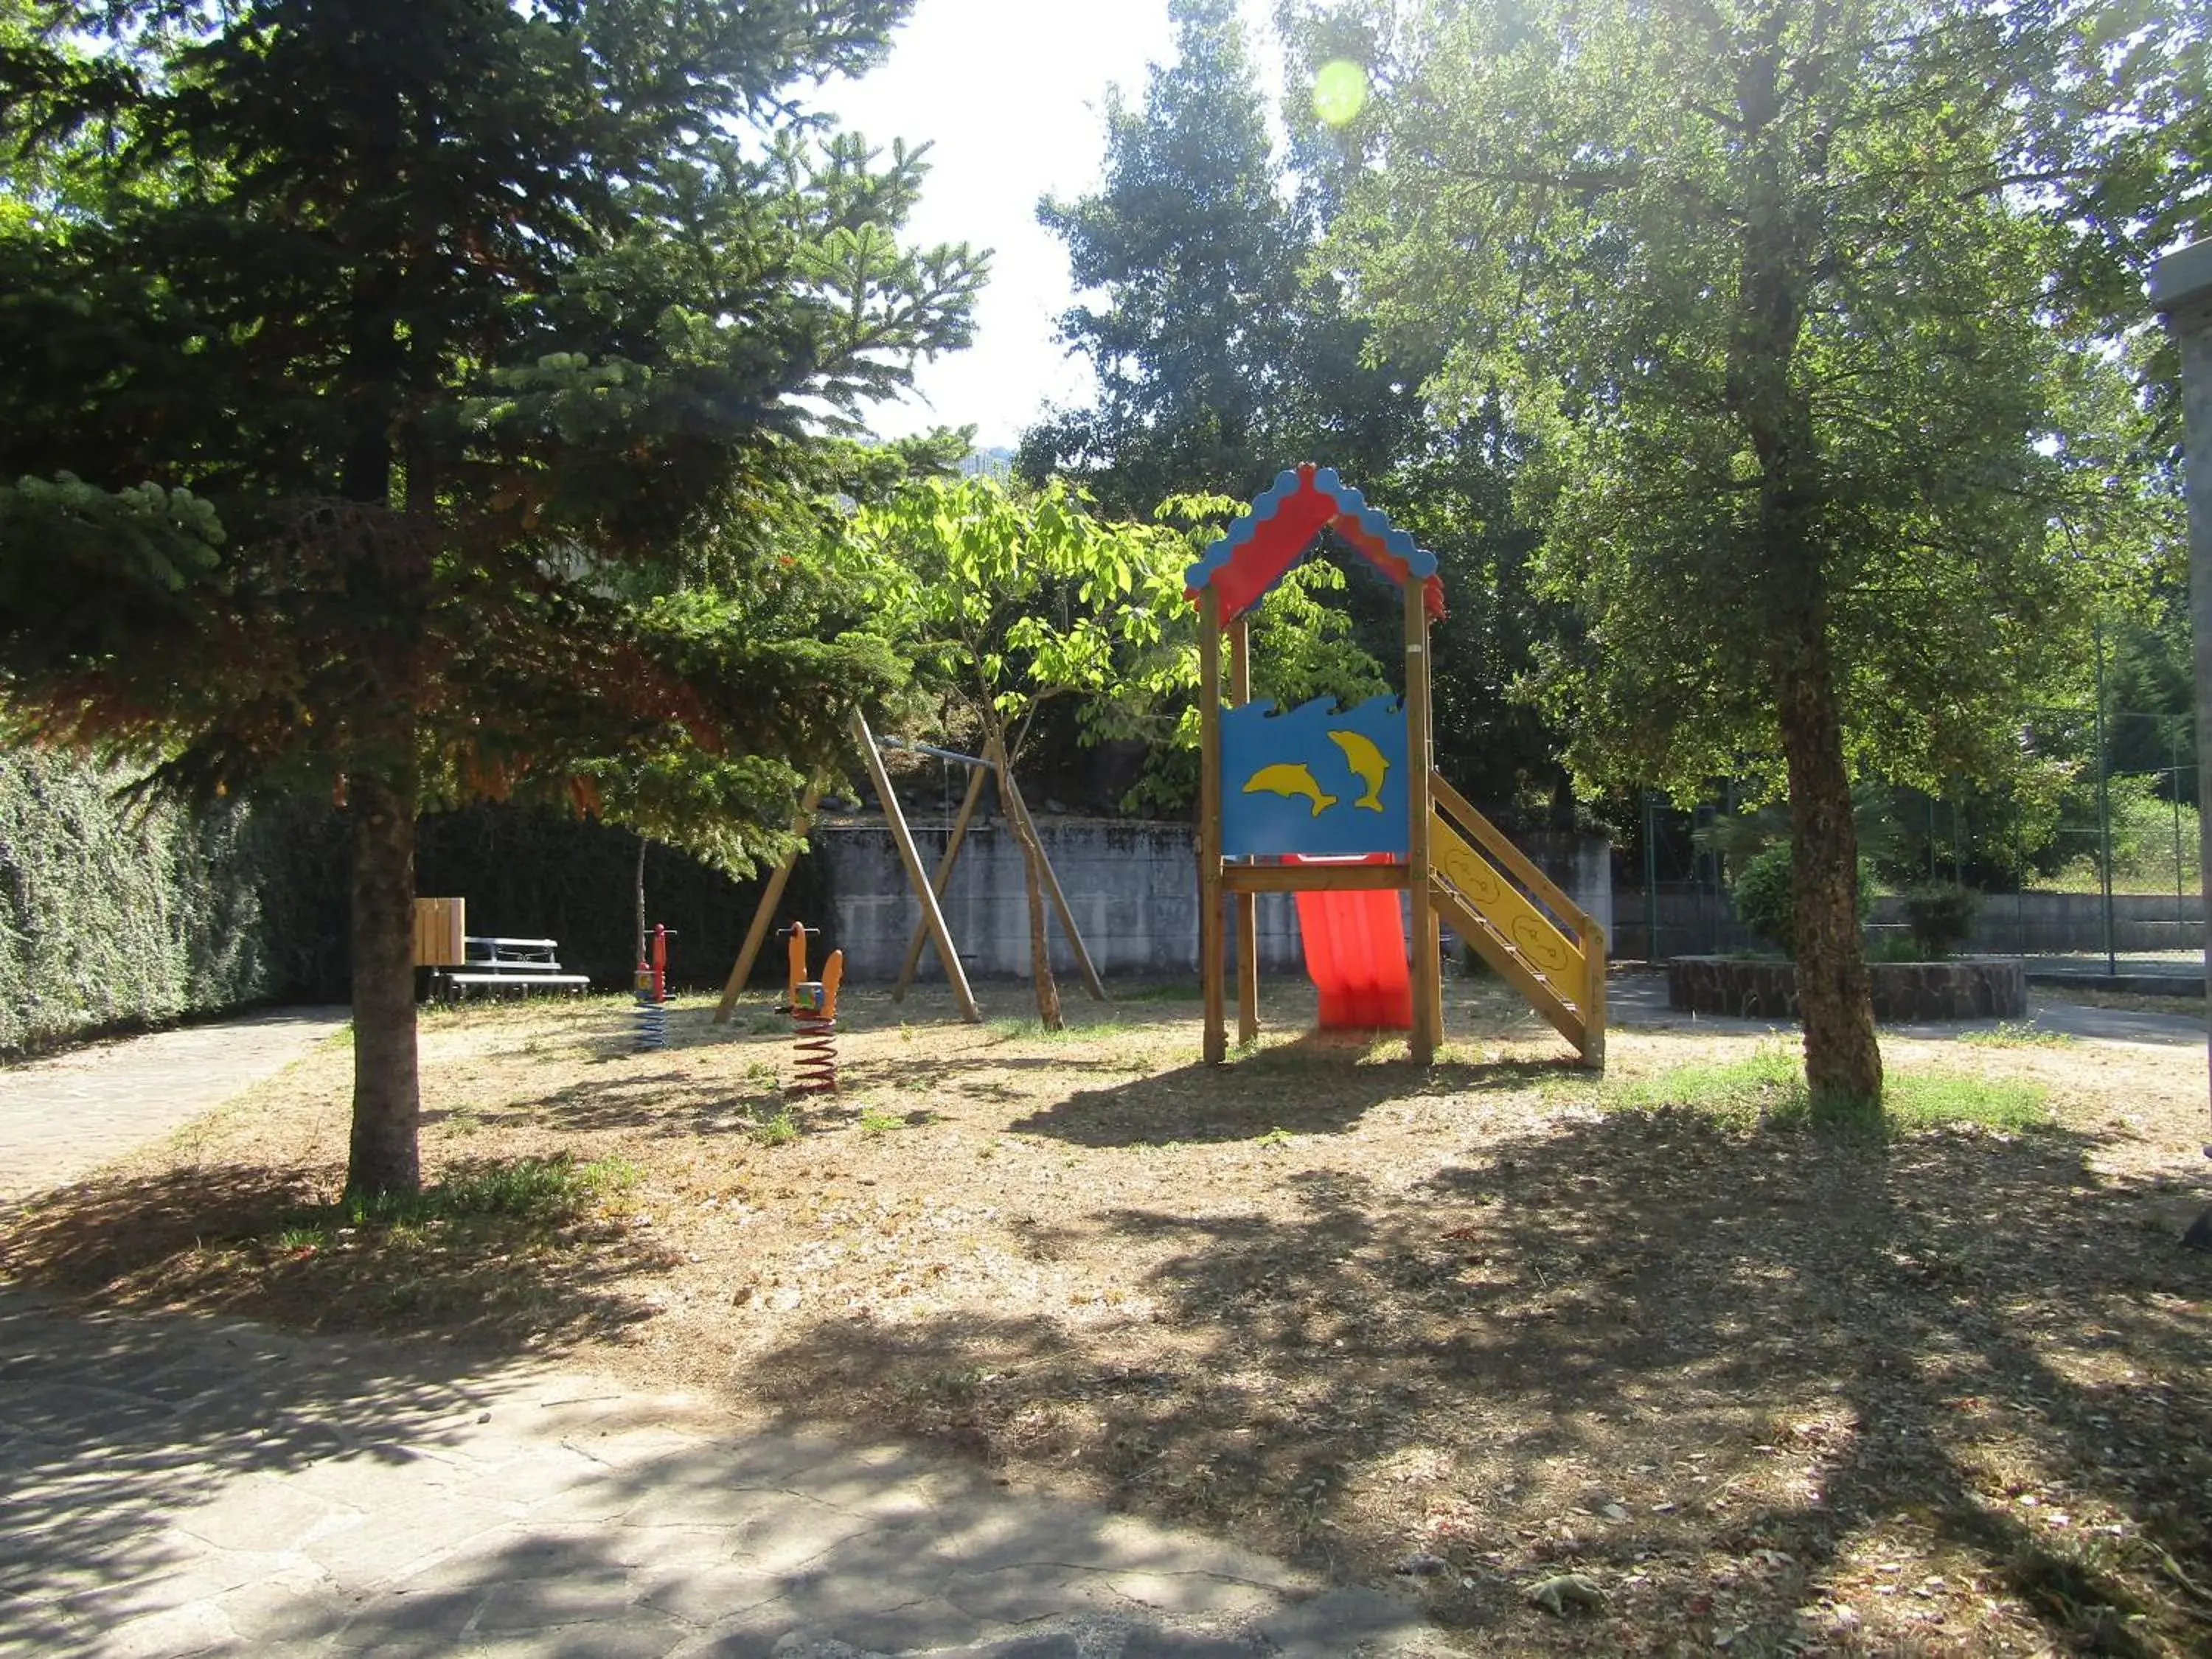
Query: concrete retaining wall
[2009, 924]
[1132, 885]
[1904, 992]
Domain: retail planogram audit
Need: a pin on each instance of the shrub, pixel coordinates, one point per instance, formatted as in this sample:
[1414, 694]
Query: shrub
[1940, 917]
[1765, 904]
[114, 915]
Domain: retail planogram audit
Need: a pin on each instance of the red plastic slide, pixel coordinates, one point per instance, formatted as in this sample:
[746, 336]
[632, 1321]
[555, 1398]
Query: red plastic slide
[1355, 949]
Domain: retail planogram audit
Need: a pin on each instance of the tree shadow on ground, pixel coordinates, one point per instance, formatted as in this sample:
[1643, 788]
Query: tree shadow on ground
[1320, 1083]
[215, 1237]
[188, 1483]
[1724, 1370]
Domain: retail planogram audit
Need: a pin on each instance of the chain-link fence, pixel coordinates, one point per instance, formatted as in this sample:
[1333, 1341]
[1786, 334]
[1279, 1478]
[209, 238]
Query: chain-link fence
[2094, 850]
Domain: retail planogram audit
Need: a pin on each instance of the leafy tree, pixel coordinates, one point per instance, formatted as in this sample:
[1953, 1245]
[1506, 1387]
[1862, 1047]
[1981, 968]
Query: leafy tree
[1223, 356]
[1198, 257]
[1825, 478]
[465, 344]
[1013, 601]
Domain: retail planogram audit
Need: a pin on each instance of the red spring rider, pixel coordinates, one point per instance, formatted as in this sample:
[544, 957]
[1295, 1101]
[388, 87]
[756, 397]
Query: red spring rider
[652, 993]
[813, 1010]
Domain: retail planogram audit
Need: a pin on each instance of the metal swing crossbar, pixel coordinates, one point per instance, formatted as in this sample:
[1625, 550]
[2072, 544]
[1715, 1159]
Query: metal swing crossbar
[972, 760]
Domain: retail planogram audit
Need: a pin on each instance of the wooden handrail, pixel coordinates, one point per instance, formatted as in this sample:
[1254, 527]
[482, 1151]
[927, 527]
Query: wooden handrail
[1518, 864]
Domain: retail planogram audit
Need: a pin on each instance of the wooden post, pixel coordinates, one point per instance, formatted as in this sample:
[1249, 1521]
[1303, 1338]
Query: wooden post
[1244, 906]
[1013, 791]
[1428, 981]
[976, 776]
[916, 876]
[1209, 823]
[756, 934]
[1593, 941]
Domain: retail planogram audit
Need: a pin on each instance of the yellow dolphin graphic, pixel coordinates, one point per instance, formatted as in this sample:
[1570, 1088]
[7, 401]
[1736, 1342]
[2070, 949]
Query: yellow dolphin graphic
[1367, 765]
[1287, 779]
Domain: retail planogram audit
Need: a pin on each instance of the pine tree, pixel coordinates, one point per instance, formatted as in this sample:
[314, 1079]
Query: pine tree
[403, 399]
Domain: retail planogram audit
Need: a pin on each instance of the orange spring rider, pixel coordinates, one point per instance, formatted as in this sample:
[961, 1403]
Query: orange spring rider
[813, 1010]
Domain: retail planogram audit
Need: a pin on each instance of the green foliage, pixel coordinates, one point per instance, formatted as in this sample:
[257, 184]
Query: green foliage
[1890, 947]
[1614, 174]
[1765, 902]
[1011, 599]
[114, 915]
[1225, 351]
[1941, 916]
[2146, 833]
[1198, 255]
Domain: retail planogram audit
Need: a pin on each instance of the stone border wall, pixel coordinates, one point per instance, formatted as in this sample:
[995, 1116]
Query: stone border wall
[1904, 993]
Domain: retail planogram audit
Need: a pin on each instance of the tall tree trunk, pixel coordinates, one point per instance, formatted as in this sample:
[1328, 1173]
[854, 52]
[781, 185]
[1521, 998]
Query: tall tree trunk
[1842, 1061]
[387, 1106]
[1843, 1058]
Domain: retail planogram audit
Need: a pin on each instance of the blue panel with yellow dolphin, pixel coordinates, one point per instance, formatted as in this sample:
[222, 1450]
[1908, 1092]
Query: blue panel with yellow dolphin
[1317, 780]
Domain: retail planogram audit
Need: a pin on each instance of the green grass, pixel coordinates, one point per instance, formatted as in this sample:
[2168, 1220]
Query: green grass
[1930, 1100]
[779, 1127]
[874, 1122]
[1768, 1087]
[527, 1189]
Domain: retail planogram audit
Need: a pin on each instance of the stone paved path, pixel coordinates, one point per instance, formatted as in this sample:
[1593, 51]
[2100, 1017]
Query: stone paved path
[64, 1116]
[181, 1485]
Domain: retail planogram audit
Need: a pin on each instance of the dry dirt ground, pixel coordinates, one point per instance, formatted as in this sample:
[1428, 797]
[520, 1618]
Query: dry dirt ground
[1766, 1389]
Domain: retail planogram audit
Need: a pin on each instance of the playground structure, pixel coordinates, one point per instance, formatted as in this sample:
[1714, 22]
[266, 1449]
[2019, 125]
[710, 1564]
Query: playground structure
[928, 888]
[1345, 809]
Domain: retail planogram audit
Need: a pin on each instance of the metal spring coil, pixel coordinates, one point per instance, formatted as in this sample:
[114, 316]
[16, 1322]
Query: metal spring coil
[651, 1024]
[816, 1041]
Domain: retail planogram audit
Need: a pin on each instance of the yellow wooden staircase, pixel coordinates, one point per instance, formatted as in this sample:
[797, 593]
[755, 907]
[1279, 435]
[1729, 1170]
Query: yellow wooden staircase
[1477, 884]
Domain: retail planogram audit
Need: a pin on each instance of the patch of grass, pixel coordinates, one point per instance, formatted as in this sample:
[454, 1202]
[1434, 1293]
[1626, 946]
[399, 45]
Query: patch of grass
[530, 1188]
[2017, 1033]
[1275, 1136]
[1768, 1086]
[1769, 1083]
[874, 1122]
[1031, 1031]
[1928, 1100]
[779, 1127]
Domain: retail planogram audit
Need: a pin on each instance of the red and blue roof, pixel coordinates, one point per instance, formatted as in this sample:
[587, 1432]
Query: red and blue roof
[1281, 528]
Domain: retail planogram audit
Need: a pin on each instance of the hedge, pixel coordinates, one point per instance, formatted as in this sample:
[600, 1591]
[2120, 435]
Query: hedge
[113, 916]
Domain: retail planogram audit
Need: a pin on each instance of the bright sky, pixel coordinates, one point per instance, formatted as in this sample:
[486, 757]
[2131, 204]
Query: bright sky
[1012, 94]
